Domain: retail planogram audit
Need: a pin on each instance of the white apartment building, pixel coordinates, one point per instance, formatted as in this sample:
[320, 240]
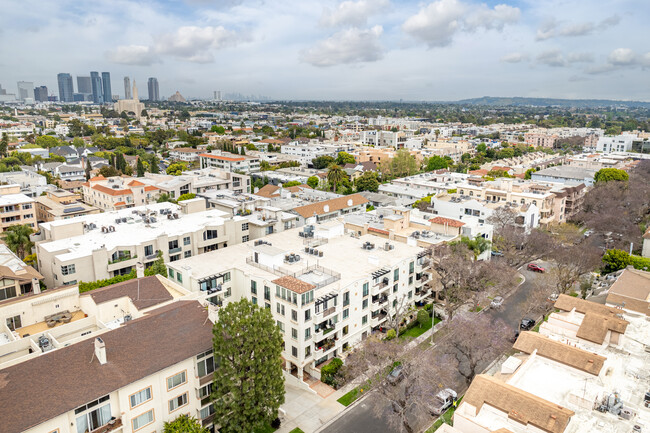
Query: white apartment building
[118, 192]
[100, 246]
[101, 361]
[197, 182]
[619, 143]
[323, 305]
[16, 208]
[186, 154]
[16, 278]
[305, 152]
[230, 162]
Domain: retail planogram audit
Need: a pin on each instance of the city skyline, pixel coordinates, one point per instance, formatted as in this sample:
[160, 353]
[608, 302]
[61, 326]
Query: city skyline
[440, 50]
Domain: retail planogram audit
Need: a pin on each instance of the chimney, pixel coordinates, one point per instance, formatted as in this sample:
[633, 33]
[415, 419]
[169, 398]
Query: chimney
[139, 270]
[100, 350]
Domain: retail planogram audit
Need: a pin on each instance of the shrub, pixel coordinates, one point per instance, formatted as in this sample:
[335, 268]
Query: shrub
[329, 372]
[275, 423]
[86, 287]
[390, 334]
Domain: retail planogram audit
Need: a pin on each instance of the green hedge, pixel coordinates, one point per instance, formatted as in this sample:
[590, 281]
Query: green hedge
[86, 287]
[329, 371]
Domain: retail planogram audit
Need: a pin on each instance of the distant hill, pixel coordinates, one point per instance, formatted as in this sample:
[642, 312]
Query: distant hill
[546, 102]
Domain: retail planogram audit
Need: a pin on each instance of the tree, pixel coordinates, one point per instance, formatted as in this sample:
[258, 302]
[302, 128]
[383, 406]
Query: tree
[120, 162]
[322, 162]
[184, 424]
[140, 168]
[615, 260]
[4, 144]
[248, 384]
[291, 183]
[423, 318]
[47, 141]
[571, 263]
[218, 129]
[335, 175]
[158, 267]
[17, 239]
[436, 163]
[404, 406]
[396, 315]
[478, 245]
[153, 166]
[176, 169]
[608, 174]
[313, 181]
[108, 171]
[403, 164]
[529, 173]
[476, 340]
[188, 196]
[344, 158]
[367, 182]
[88, 169]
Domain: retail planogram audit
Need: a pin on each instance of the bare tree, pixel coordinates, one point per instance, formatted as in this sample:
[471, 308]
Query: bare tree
[474, 341]
[571, 263]
[397, 313]
[538, 301]
[520, 247]
[503, 218]
[403, 403]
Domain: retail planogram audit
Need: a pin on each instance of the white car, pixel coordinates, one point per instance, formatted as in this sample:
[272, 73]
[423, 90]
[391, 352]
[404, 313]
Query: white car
[496, 302]
[443, 400]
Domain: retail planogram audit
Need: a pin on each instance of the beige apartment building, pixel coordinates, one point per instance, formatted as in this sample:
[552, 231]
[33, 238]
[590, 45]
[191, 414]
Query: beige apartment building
[100, 246]
[101, 361]
[61, 204]
[16, 208]
[118, 192]
[16, 278]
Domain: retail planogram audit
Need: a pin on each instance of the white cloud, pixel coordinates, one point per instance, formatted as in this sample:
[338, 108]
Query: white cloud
[514, 58]
[580, 58]
[139, 55]
[438, 22]
[554, 29]
[551, 58]
[622, 57]
[352, 13]
[196, 44]
[345, 47]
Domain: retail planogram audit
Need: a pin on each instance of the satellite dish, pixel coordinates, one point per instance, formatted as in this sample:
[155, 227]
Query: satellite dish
[350, 202]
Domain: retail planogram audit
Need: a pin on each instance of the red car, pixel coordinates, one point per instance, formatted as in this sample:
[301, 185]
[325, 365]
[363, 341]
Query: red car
[535, 268]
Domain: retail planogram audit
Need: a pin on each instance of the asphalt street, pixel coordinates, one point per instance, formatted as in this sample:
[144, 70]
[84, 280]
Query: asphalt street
[360, 418]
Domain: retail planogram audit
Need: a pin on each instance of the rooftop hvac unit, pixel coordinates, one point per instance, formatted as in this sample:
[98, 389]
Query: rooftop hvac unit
[128, 317]
[175, 216]
[118, 220]
[169, 217]
[152, 219]
[146, 220]
[104, 230]
[320, 254]
[123, 220]
[111, 228]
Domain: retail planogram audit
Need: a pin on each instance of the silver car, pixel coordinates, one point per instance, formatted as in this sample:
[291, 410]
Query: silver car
[496, 302]
[442, 401]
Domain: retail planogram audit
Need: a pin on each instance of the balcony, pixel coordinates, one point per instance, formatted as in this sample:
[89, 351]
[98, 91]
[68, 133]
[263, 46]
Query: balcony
[379, 300]
[175, 250]
[122, 259]
[115, 424]
[378, 319]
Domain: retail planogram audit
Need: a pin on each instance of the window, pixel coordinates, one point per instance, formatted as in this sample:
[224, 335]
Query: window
[210, 234]
[294, 315]
[206, 411]
[67, 269]
[410, 294]
[307, 333]
[148, 250]
[307, 351]
[294, 351]
[364, 319]
[14, 323]
[244, 227]
[142, 420]
[411, 267]
[364, 305]
[294, 333]
[254, 287]
[269, 230]
[346, 313]
[205, 366]
[254, 300]
[173, 244]
[245, 238]
[396, 275]
[345, 330]
[365, 289]
[279, 308]
[140, 397]
[9, 292]
[177, 402]
[176, 380]
[281, 326]
[171, 273]
[179, 277]
[395, 288]
[186, 240]
[228, 292]
[187, 254]
[346, 299]
[308, 297]
[95, 417]
[226, 277]
[410, 279]
[267, 293]
[307, 315]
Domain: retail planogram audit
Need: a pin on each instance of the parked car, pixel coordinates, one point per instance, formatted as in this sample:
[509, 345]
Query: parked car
[496, 302]
[588, 233]
[535, 267]
[442, 401]
[553, 297]
[395, 375]
[496, 253]
[526, 324]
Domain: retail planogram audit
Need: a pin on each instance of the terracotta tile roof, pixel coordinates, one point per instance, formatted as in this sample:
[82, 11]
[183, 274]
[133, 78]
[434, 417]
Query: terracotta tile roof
[268, 191]
[297, 188]
[446, 221]
[481, 172]
[150, 188]
[135, 183]
[333, 205]
[96, 178]
[520, 405]
[223, 158]
[144, 292]
[58, 381]
[120, 203]
[294, 284]
[646, 235]
[583, 360]
[632, 291]
[111, 191]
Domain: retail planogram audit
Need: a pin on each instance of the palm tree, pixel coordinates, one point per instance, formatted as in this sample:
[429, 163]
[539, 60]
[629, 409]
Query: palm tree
[17, 239]
[335, 175]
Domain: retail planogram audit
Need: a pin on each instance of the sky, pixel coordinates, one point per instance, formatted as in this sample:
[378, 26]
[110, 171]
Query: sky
[336, 50]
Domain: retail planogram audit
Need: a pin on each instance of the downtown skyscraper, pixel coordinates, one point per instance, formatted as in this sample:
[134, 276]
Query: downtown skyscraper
[106, 87]
[154, 91]
[97, 88]
[127, 88]
[66, 89]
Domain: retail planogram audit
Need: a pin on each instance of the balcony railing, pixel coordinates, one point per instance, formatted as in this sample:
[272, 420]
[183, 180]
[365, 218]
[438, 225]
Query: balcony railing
[122, 259]
[113, 425]
[175, 250]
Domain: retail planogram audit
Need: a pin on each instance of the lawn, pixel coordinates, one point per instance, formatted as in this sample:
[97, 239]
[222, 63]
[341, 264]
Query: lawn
[445, 418]
[266, 429]
[416, 331]
[296, 430]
